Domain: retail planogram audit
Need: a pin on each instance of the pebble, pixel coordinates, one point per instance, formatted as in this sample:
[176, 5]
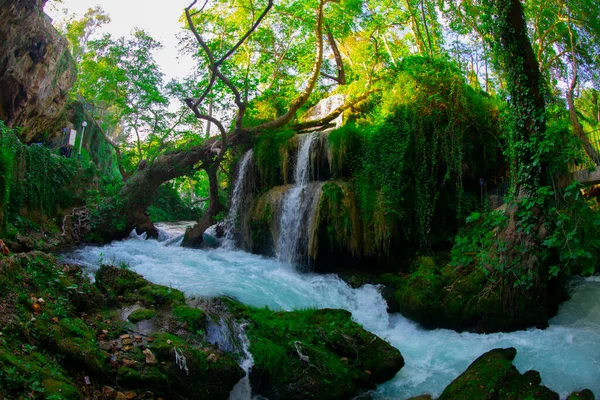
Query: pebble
[150, 357]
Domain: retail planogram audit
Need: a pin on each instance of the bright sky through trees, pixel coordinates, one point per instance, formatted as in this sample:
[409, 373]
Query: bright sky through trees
[159, 19]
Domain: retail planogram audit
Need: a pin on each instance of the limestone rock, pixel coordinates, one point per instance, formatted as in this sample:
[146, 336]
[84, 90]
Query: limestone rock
[36, 70]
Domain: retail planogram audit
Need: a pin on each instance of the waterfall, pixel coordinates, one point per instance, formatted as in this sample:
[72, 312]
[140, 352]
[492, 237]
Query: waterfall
[230, 336]
[243, 390]
[236, 197]
[295, 205]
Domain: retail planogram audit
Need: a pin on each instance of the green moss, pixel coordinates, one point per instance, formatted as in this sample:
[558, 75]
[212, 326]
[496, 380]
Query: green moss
[54, 389]
[492, 376]
[339, 353]
[159, 295]
[121, 283]
[270, 151]
[141, 315]
[194, 318]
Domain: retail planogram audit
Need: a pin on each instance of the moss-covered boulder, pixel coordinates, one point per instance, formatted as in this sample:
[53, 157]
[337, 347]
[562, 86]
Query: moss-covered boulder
[583, 395]
[314, 354]
[493, 376]
[141, 314]
[438, 295]
[123, 285]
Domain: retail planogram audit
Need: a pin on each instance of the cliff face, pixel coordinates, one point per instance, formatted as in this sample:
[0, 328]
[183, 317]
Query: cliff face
[36, 70]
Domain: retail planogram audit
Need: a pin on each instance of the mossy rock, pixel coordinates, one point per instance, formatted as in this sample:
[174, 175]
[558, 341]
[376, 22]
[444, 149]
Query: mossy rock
[493, 376]
[314, 354]
[121, 284]
[583, 395]
[141, 315]
[206, 374]
[193, 318]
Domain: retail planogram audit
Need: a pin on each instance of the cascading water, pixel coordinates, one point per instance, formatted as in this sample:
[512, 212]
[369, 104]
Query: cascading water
[566, 354]
[243, 389]
[295, 204]
[236, 197]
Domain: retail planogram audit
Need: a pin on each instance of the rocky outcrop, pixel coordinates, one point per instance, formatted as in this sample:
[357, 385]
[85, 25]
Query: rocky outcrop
[36, 70]
[437, 295]
[314, 354]
[493, 376]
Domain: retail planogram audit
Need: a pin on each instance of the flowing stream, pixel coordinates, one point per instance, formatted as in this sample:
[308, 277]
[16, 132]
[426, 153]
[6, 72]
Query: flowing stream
[567, 354]
[295, 205]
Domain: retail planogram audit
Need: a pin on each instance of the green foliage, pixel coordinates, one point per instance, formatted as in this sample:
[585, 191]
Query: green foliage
[412, 162]
[8, 144]
[572, 242]
[270, 151]
[478, 243]
[168, 206]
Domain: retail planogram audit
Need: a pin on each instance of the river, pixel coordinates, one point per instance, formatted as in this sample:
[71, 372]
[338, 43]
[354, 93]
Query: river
[567, 354]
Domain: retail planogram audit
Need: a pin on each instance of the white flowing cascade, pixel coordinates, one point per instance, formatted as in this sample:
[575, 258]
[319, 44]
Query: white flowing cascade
[295, 204]
[236, 198]
[567, 354]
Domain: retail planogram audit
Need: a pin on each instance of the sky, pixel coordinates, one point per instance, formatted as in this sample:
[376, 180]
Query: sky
[157, 17]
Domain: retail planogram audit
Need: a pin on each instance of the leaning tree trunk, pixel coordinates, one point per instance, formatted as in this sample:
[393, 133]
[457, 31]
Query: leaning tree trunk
[138, 193]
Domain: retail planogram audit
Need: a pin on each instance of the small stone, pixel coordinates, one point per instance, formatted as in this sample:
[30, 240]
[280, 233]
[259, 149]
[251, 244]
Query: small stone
[212, 358]
[86, 379]
[150, 357]
[126, 342]
[344, 360]
[129, 363]
[109, 392]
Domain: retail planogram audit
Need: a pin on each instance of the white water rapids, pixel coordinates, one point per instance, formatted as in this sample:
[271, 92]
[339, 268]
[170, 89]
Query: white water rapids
[567, 354]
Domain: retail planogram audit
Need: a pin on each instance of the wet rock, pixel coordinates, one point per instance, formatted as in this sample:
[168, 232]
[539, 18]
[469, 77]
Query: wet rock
[583, 395]
[493, 376]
